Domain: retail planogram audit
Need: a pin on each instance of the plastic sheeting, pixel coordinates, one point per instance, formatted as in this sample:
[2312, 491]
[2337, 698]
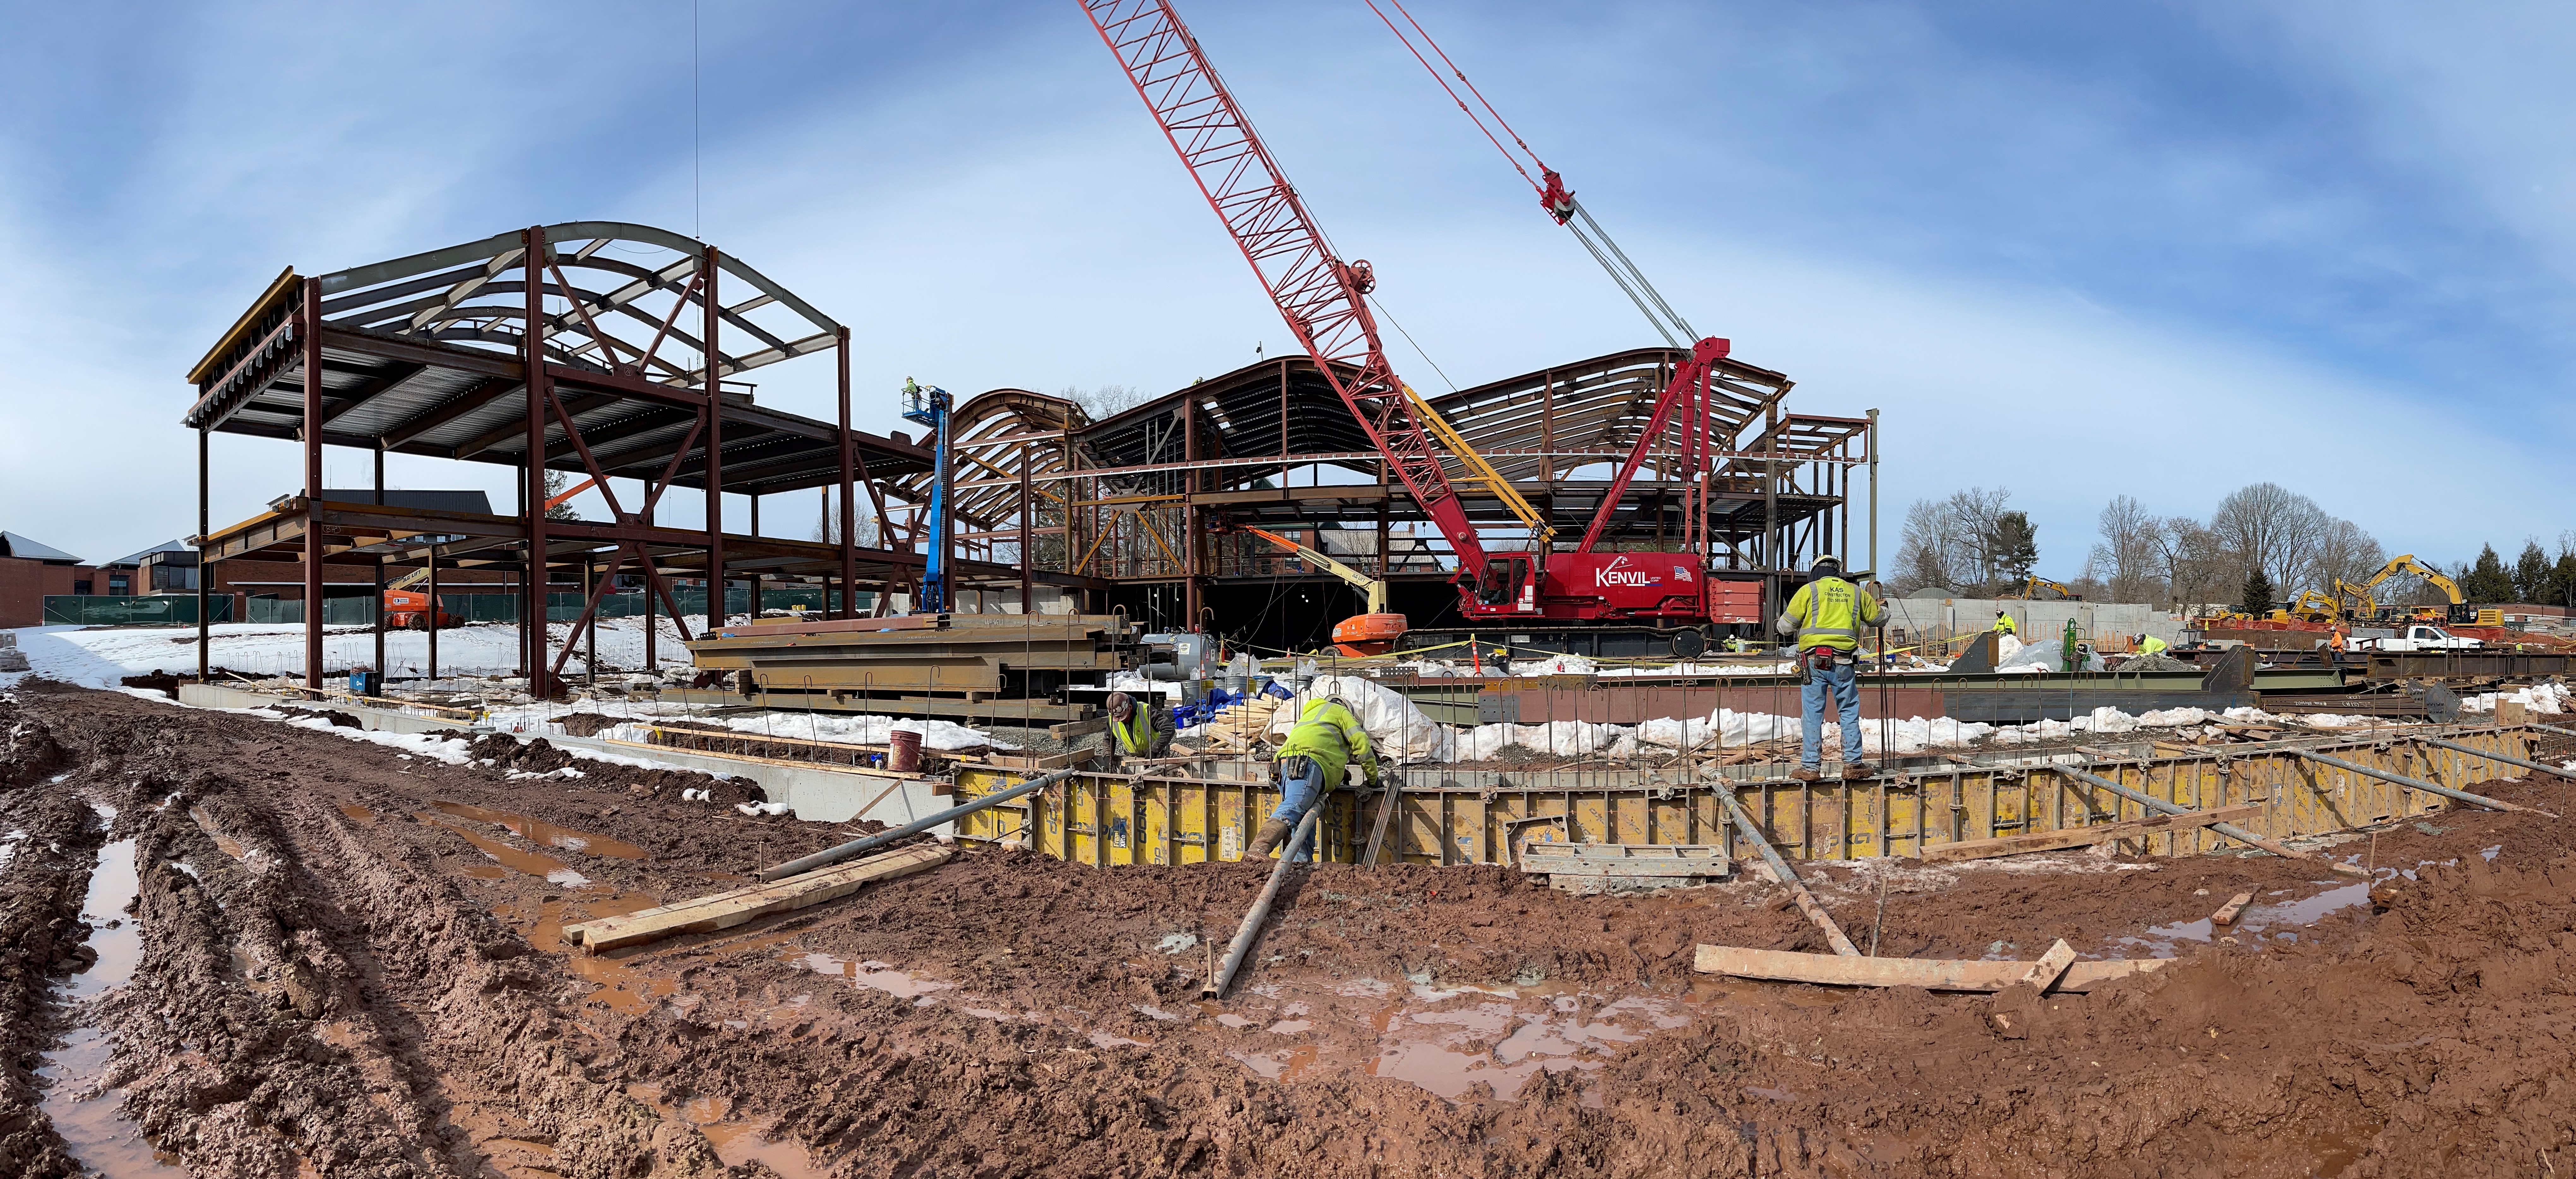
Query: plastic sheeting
[1399, 730]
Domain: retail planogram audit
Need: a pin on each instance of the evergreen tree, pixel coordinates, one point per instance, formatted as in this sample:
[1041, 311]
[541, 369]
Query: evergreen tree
[554, 486]
[2531, 573]
[2014, 541]
[2258, 594]
[2487, 582]
[2561, 590]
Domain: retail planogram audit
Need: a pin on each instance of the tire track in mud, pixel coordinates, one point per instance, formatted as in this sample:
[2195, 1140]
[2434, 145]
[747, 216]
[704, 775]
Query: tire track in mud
[339, 992]
[51, 847]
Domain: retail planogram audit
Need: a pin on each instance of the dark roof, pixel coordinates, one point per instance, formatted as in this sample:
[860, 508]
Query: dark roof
[14, 545]
[436, 501]
[167, 546]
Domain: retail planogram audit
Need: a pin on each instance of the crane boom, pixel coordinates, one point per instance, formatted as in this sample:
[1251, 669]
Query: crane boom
[1321, 297]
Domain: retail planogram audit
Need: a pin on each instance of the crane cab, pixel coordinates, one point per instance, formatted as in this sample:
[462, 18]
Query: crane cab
[1507, 585]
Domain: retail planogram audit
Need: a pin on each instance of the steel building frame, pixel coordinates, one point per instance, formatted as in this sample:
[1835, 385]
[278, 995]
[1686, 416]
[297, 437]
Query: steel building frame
[584, 348]
[1153, 495]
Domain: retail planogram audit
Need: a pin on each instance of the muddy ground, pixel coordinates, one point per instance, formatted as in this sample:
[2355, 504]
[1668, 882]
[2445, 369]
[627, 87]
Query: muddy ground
[344, 961]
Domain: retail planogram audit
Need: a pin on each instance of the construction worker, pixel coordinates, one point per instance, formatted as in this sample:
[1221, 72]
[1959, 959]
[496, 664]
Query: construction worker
[2151, 645]
[1310, 763]
[1826, 615]
[2334, 648]
[1135, 731]
[2003, 623]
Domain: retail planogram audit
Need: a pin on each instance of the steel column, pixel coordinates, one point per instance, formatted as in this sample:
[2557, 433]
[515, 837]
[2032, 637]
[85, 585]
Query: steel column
[715, 450]
[532, 350]
[433, 612]
[205, 568]
[380, 576]
[312, 329]
[849, 495]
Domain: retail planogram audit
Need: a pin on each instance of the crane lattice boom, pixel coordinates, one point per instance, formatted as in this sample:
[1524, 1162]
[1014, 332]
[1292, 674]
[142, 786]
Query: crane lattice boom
[1320, 297]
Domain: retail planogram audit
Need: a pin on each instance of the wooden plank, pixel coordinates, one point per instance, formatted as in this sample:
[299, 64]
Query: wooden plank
[2051, 966]
[1928, 973]
[1084, 728]
[733, 907]
[2012, 845]
[2226, 914]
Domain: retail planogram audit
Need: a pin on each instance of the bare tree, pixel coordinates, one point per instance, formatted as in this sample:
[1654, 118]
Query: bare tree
[828, 529]
[2344, 552]
[2195, 564]
[1923, 559]
[2126, 557]
[1105, 401]
[2271, 528]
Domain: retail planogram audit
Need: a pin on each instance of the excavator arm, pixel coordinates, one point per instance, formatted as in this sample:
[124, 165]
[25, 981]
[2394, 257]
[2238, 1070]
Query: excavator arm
[1372, 588]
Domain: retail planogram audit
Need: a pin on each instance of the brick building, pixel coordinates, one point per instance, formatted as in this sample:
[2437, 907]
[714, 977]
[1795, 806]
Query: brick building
[30, 570]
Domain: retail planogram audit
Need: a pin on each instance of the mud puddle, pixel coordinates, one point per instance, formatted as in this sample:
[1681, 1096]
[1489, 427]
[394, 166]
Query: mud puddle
[539, 831]
[94, 1126]
[504, 856]
[737, 1143]
[1446, 1042]
[874, 975]
[2281, 920]
[622, 988]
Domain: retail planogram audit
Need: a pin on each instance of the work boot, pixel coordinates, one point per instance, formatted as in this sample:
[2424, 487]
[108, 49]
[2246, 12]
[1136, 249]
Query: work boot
[1803, 774]
[1272, 833]
[1854, 771]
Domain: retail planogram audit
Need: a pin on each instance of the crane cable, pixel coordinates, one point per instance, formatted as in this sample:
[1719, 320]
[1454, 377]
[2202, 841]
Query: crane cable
[1668, 323]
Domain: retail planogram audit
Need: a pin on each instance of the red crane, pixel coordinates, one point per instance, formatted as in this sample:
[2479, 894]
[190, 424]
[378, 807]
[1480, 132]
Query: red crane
[1684, 402]
[1323, 300]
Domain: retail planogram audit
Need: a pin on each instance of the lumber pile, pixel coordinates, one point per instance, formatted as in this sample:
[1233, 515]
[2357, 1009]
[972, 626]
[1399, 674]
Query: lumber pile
[1237, 728]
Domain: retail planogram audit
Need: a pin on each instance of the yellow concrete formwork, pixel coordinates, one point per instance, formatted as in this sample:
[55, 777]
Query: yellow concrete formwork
[1466, 815]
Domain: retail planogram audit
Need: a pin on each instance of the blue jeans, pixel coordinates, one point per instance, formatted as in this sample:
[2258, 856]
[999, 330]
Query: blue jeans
[1843, 681]
[1296, 797]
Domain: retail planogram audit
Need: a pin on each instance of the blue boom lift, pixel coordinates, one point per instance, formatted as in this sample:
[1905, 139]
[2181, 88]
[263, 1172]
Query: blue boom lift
[928, 405]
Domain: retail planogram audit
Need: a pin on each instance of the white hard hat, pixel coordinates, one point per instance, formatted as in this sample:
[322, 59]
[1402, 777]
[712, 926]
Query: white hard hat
[1823, 559]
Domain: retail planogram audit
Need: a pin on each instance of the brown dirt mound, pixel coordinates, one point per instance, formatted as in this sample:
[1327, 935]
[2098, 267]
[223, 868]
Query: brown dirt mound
[28, 751]
[360, 972]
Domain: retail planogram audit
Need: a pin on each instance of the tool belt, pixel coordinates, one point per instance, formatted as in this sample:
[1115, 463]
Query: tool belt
[1816, 659]
[1292, 768]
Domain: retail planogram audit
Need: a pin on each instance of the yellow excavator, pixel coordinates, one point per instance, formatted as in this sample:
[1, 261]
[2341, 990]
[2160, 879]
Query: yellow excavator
[1372, 633]
[2031, 586]
[2362, 606]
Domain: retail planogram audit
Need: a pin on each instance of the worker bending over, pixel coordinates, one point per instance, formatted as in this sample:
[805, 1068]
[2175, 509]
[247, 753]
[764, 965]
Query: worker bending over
[1826, 614]
[2003, 623]
[2151, 645]
[1134, 731]
[1320, 748]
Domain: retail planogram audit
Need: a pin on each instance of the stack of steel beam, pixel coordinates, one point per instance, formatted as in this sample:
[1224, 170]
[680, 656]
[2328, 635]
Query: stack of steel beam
[982, 665]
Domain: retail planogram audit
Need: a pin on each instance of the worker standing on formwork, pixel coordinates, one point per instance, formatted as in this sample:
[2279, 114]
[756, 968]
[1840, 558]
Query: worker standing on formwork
[2003, 623]
[1135, 731]
[1826, 614]
[1313, 760]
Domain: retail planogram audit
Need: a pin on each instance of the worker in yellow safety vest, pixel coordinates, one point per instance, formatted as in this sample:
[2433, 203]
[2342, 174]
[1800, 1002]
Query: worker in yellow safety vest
[2151, 645]
[1826, 615]
[1314, 759]
[2003, 623]
[1135, 731]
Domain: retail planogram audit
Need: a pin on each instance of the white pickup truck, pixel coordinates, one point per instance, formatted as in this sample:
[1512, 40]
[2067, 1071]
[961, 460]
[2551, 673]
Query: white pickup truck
[2418, 637]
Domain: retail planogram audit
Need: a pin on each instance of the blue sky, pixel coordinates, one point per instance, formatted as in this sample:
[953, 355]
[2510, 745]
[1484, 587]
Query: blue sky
[2162, 250]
